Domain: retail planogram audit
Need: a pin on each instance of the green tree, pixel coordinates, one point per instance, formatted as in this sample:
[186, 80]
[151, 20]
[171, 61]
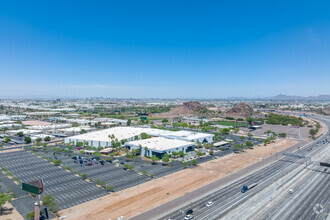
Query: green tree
[145, 136]
[194, 162]
[30, 215]
[237, 147]
[49, 201]
[110, 188]
[144, 172]
[5, 129]
[20, 134]
[181, 154]
[199, 153]
[102, 183]
[249, 144]
[97, 154]
[250, 135]
[7, 139]
[38, 139]
[84, 176]
[57, 162]
[129, 122]
[164, 120]
[282, 135]
[4, 197]
[47, 138]
[313, 131]
[166, 158]
[27, 140]
[154, 158]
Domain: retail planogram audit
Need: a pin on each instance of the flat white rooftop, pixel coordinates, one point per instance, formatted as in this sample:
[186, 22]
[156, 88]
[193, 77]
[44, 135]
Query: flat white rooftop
[103, 135]
[160, 143]
[220, 143]
[129, 132]
[189, 134]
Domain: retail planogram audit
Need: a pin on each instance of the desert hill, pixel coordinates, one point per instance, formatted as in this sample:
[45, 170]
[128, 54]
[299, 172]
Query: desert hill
[187, 109]
[242, 110]
[326, 111]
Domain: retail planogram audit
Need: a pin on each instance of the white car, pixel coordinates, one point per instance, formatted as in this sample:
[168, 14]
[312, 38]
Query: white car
[291, 191]
[188, 217]
[208, 204]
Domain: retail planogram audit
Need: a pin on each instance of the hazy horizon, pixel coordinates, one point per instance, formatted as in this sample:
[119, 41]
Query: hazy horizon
[164, 49]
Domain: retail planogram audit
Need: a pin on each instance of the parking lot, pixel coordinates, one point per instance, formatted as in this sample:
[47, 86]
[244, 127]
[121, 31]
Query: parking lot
[112, 175]
[67, 189]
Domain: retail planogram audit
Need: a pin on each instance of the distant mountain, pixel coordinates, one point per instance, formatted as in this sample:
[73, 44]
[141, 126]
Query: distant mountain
[301, 98]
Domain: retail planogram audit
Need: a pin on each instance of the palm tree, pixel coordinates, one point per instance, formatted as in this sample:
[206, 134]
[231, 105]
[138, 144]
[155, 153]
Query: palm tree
[145, 151]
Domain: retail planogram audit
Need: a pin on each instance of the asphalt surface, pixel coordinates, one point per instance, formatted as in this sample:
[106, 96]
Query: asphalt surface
[226, 196]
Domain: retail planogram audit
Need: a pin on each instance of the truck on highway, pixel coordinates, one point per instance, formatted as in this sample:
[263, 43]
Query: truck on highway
[246, 188]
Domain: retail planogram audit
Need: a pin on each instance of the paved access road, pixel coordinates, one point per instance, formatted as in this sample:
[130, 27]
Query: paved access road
[229, 198]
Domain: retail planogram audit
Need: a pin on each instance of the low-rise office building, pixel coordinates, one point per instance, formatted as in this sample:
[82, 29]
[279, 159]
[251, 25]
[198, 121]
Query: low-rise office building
[159, 146]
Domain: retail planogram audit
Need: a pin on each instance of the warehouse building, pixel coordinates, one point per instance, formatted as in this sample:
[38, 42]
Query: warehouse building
[159, 146]
[101, 138]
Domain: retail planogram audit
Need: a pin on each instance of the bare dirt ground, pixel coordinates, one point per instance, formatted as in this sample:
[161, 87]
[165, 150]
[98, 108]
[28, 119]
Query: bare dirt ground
[141, 198]
[175, 112]
[9, 150]
[8, 212]
[35, 123]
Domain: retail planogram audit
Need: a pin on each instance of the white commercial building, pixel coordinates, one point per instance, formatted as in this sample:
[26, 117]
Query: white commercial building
[74, 130]
[159, 146]
[25, 132]
[10, 126]
[49, 127]
[101, 138]
[191, 136]
[4, 118]
[42, 136]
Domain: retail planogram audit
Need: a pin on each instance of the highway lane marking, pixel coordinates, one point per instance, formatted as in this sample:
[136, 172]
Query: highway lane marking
[294, 198]
[273, 193]
[270, 205]
[298, 172]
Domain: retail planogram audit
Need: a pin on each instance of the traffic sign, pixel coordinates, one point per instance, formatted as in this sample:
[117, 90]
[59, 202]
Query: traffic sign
[293, 155]
[36, 187]
[31, 188]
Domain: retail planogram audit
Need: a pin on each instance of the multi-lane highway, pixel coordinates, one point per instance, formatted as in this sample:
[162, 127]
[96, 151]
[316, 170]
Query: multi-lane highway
[270, 199]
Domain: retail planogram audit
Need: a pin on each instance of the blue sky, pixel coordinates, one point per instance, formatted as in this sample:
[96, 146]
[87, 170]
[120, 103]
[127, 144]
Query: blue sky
[164, 49]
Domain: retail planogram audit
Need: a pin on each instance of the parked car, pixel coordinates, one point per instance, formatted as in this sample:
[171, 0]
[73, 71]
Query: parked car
[190, 216]
[209, 204]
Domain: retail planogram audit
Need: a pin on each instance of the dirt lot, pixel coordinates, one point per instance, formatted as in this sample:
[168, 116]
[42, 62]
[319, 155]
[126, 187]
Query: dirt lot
[9, 150]
[292, 132]
[301, 133]
[32, 123]
[141, 198]
[8, 212]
